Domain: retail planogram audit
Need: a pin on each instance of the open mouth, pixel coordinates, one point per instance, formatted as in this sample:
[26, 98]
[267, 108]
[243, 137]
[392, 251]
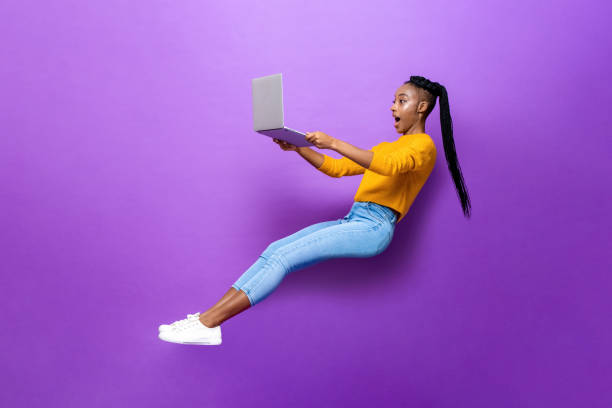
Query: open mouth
[397, 119]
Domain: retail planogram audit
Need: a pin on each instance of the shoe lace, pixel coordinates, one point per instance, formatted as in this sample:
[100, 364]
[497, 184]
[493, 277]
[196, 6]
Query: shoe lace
[183, 322]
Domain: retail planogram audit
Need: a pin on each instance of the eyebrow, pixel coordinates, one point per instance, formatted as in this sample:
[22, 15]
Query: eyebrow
[405, 94]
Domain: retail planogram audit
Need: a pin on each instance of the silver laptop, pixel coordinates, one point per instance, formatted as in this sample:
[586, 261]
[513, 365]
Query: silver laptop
[268, 116]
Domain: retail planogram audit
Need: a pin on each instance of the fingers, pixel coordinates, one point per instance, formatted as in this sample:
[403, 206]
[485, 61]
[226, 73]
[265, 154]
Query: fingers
[283, 144]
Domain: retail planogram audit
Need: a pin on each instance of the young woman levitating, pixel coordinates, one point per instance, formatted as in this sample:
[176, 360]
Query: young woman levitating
[393, 174]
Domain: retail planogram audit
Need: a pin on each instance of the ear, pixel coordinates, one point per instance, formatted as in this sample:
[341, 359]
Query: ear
[422, 106]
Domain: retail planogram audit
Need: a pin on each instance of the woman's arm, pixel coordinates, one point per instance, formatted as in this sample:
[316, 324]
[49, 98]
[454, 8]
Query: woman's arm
[359, 156]
[328, 165]
[410, 156]
[355, 154]
[312, 157]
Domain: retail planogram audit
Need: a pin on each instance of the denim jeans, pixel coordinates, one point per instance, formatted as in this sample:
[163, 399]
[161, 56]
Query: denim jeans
[365, 231]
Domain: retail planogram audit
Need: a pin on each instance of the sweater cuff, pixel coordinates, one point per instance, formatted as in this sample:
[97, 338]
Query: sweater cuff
[326, 166]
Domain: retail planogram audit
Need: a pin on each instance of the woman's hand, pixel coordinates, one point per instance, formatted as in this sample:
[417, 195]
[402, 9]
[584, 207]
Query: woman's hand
[320, 140]
[286, 146]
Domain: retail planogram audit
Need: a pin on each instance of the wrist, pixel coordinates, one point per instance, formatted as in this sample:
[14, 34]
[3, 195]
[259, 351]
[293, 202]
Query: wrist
[335, 144]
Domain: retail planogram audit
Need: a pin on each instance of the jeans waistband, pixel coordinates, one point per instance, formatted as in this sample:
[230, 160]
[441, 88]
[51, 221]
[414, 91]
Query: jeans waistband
[382, 210]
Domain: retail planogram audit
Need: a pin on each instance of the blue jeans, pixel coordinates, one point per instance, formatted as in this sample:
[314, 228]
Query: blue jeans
[365, 231]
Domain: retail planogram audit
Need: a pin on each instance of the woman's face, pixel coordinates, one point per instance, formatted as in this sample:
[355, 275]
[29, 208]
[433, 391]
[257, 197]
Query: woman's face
[404, 108]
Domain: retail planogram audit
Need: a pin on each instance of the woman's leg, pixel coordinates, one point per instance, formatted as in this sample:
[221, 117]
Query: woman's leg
[238, 297]
[265, 256]
[235, 304]
[363, 237]
[231, 292]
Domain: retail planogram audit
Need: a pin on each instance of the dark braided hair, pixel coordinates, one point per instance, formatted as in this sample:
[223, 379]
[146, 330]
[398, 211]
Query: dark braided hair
[446, 123]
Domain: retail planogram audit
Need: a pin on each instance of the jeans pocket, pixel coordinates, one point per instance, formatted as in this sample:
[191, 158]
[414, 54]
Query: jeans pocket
[375, 215]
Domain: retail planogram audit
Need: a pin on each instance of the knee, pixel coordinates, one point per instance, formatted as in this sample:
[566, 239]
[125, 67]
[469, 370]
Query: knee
[271, 249]
[276, 259]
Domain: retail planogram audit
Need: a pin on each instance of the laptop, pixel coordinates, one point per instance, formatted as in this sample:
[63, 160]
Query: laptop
[268, 116]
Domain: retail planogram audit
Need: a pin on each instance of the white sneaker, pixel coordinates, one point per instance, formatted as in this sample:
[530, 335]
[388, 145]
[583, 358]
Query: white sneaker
[178, 323]
[192, 331]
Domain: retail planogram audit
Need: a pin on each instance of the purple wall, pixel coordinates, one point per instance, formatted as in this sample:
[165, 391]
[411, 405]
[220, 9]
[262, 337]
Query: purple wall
[134, 191]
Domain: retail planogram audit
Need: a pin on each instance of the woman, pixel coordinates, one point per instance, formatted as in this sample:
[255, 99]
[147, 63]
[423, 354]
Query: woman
[394, 173]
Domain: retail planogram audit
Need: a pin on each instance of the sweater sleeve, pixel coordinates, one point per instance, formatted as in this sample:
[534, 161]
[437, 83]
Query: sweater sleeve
[409, 157]
[340, 167]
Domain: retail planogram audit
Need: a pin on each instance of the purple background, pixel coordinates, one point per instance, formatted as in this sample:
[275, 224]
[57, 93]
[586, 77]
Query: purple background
[134, 191]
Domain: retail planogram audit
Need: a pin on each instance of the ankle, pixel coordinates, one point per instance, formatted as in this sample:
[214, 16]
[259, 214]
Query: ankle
[208, 321]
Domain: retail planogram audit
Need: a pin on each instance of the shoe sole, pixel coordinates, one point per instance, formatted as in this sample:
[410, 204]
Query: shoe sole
[195, 343]
[212, 342]
[202, 343]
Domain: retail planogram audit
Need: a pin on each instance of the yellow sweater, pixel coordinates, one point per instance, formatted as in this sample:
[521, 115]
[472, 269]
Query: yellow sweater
[396, 174]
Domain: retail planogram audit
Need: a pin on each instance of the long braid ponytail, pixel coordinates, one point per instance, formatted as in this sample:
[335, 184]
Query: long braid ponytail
[446, 124]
